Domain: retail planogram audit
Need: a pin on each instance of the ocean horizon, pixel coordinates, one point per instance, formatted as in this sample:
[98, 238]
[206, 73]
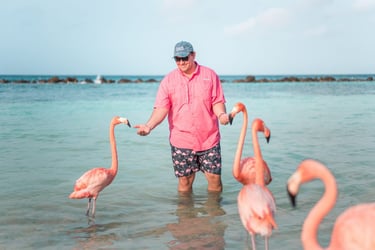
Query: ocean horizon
[66, 78]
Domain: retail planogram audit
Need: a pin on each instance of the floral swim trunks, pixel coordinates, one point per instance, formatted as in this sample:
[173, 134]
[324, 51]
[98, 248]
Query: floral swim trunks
[187, 161]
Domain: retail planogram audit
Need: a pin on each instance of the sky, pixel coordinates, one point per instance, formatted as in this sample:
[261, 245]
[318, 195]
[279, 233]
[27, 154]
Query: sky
[237, 37]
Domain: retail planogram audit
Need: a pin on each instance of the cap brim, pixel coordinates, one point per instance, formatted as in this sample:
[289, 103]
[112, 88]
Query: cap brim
[181, 54]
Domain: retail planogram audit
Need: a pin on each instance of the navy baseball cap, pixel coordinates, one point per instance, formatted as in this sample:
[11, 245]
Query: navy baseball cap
[183, 49]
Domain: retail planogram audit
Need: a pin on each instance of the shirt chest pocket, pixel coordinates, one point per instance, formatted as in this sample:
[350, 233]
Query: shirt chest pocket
[191, 93]
[202, 91]
[179, 95]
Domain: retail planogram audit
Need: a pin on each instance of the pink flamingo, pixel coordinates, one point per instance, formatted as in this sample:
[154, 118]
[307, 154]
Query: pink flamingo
[353, 229]
[256, 204]
[91, 183]
[244, 170]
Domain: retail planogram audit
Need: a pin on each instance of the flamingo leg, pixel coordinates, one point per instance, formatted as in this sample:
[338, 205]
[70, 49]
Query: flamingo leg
[88, 207]
[93, 208]
[266, 243]
[253, 242]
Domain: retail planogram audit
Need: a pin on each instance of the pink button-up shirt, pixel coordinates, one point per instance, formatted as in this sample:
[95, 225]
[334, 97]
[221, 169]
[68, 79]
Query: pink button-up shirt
[192, 122]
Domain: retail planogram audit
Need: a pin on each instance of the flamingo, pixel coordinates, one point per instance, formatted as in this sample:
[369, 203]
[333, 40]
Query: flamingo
[91, 183]
[244, 170]
[256, 204]
[353, 229]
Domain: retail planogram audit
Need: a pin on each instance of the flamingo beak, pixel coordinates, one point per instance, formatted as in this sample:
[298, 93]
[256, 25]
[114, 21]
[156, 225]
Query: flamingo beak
[268, 138]
[230, 116]
[125, 121]
[292, 197]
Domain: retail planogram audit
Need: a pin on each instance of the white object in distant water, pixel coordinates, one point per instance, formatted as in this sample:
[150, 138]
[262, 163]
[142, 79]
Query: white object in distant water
[99, 79]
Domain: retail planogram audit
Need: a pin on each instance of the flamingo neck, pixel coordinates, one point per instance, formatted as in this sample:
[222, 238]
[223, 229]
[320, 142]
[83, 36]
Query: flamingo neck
[259, 171]
[112, 140]
[322, 207]
[241, 141]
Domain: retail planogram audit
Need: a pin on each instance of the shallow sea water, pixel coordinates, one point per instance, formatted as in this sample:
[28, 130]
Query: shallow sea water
[51, 134]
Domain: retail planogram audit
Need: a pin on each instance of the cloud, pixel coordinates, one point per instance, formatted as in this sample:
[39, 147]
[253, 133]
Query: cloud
[241, 28]
[269, 19]
[364, 5]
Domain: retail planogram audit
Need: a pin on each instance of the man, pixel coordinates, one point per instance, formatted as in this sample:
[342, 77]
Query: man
[192, 97]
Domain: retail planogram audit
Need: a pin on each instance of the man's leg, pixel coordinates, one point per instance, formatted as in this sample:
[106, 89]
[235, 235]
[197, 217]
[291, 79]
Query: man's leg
[185, 183]
[214, 182]
[210, 164]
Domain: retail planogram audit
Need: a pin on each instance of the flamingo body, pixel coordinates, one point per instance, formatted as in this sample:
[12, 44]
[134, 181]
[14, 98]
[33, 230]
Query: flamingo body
[353, 229]
[244, 169]
[247, 171]
[92, 182]
[257, 208]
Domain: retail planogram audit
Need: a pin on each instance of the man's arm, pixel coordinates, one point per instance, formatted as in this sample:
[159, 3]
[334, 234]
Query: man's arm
[157, 116]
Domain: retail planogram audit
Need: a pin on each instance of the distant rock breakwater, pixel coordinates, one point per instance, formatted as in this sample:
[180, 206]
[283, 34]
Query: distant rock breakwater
[56, 79]
[247, 79]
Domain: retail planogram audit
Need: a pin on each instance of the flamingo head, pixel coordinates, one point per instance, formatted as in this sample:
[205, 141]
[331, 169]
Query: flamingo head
[237, 108]
[267, 133]
[259, 125]
[292, 187]
[307, 171]
[125, 121]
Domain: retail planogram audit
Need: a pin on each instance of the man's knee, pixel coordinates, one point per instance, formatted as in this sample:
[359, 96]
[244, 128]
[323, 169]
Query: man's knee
[214, 182]
[185, 183]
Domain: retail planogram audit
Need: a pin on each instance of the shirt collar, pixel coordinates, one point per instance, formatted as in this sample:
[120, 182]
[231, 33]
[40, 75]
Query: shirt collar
[196, 71]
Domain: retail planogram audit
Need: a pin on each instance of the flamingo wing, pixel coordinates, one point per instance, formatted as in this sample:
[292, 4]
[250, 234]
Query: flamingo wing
[246, 172]
[267, 173]
[91, 183]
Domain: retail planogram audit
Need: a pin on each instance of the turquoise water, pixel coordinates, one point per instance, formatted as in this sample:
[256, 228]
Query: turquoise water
[51, 134]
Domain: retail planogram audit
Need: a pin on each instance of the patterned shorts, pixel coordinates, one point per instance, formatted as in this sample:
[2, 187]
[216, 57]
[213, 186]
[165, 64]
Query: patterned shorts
[187, 161]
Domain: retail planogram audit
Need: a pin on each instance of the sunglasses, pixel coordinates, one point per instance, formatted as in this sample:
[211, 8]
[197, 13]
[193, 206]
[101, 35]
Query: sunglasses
[184, 59]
